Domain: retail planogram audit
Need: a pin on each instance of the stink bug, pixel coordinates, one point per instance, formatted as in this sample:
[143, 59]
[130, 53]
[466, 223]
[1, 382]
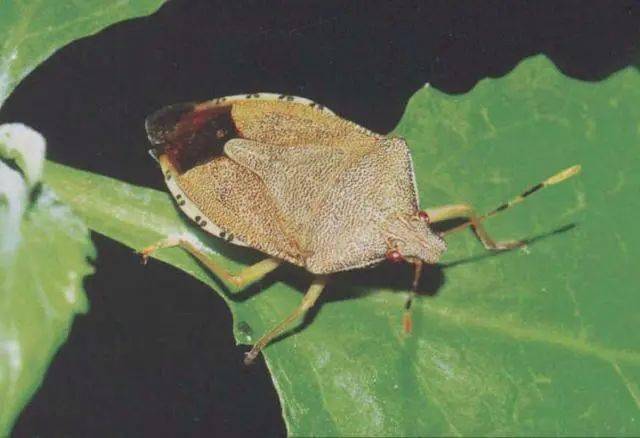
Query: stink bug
[288, 177]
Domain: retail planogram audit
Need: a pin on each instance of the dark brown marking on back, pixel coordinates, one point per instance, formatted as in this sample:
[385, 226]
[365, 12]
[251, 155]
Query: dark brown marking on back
[189, 136]
[160, 125]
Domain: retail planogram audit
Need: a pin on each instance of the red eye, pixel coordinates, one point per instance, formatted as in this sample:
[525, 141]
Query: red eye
[394, 256]
[424, 216]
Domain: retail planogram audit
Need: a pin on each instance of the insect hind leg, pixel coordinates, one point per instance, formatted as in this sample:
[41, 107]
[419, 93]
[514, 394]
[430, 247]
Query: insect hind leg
[238, 280]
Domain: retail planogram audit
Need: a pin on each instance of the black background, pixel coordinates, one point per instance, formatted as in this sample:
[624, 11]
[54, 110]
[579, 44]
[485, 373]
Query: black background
[155, 355]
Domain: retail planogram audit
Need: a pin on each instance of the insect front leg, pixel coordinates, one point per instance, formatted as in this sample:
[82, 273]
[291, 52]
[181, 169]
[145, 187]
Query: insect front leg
[308, 301]
[465, 211]
[238, 280]
[474, 220]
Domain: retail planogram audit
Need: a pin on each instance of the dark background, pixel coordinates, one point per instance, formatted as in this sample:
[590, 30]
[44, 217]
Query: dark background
[155, 355]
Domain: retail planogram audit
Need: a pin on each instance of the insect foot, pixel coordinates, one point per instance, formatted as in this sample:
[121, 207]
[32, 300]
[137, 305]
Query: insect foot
[169, 242]
[144, 257]
[146, 253]
[407, 322]
[250, 356]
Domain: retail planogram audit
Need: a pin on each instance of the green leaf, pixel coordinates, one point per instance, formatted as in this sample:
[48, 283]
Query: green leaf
[26, 147]
[534, 341]
[43, 246]
[33, 29]
[43, 258]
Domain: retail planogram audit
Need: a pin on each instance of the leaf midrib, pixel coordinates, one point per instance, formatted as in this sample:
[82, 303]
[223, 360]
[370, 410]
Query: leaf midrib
[539, 334]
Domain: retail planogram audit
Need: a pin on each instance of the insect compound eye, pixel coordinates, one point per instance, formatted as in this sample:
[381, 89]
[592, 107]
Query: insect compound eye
[394, 256]
[424, 216]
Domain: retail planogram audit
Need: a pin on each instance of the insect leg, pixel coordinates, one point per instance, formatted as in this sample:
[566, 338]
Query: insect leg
[407, 321]
[465, 211]
[308, 301]
[240, 279]
[474, 220]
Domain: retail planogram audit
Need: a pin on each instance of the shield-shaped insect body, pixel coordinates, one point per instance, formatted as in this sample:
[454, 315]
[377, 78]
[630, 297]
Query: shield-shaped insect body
[291, 179]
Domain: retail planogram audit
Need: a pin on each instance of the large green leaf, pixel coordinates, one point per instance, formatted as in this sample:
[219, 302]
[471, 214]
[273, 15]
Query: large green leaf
[32, 30]
[538, 340]
[43, 259]
[43, 246]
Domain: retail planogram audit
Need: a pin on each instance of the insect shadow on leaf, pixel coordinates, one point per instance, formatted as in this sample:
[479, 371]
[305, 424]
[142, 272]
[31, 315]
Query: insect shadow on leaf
[529, 242]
